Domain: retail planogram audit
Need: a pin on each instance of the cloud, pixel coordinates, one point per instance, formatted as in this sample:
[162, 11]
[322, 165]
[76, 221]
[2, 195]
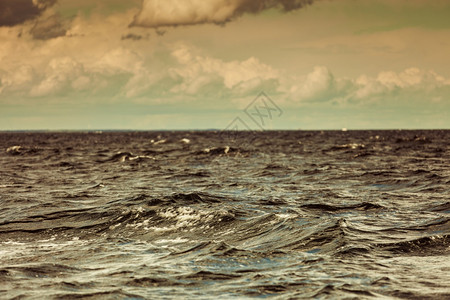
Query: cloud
[58, 76]
[196, 72]
[17, 80]
[159, 13]
[87, 64]
[389, 85]
[119, 60]
[411, 77]
[156, 71]
[119, 72]
[131, 36]
[51, 27]
[411, 85]
[128, 70]
[316, 85]
[15, 12]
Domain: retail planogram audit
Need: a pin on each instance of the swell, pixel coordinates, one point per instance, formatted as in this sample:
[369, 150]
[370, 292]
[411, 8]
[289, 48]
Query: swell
[438, 244]
[205, 216]
[143, 213]
[335, 208]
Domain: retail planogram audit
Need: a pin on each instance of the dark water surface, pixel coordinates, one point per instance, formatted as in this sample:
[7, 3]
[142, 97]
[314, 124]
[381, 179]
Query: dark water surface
[202, 215]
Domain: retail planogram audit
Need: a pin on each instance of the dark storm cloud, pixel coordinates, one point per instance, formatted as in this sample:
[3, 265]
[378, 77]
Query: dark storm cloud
[15, 12]
[132, 36]
[252, 6]
[160, 32]
[157, 13]
[49, 28]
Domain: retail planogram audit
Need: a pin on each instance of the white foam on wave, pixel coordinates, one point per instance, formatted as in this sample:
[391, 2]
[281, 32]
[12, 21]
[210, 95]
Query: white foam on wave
[159, 142]
[132, 157]
[141, 157]
[15, 149]
[177, 240]
[186, 219]
[14, 249]
[286, 216]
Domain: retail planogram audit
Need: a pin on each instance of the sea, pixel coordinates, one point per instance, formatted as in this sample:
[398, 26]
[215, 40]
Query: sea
[225, 215]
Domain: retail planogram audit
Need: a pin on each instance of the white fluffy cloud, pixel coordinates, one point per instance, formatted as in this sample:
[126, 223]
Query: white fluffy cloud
[131, 74]
[196, 75]
[196, 71]
[17, 79]
[59, 73]
[403, 87]
[314, 86]
[156, 13]
[424, 84]
[412, 77]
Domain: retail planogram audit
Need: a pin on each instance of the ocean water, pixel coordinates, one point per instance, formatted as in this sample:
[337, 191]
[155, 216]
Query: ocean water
[205, 215]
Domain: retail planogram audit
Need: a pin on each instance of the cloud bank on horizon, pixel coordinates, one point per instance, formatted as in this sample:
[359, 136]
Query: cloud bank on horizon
[66, 54]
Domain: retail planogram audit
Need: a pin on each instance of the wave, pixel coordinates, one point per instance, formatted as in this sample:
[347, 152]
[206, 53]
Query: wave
[170, 213]
[444, 207]
[39, 270]
[21, 150]
[126, 156]
[219, 151]
[333, 208]
[424, 246]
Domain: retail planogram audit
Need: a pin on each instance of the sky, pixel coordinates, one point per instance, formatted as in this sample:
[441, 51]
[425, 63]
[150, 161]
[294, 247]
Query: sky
[224, 64]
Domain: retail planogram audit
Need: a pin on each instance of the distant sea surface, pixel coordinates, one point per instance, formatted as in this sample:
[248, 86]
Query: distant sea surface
[223, 215]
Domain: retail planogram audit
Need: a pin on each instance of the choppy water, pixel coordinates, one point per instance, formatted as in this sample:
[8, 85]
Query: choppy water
[203, 215]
